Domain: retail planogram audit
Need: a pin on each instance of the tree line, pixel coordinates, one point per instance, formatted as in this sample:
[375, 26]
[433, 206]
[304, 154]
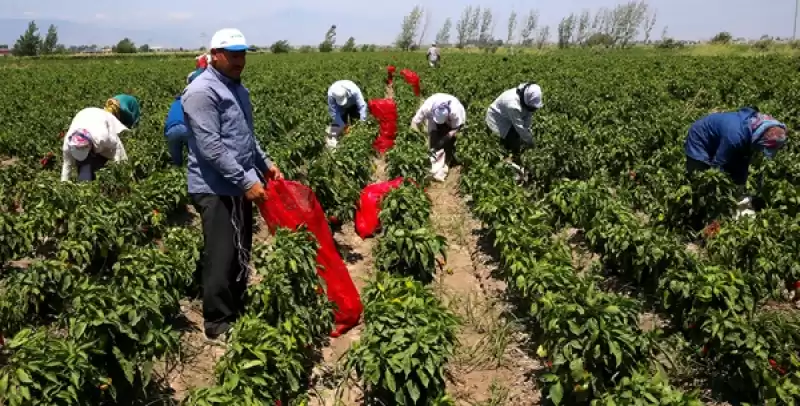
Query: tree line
[618, 26]
[31, 43]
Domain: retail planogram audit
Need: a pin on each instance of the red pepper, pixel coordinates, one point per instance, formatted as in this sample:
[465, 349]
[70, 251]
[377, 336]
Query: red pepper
[797, 285]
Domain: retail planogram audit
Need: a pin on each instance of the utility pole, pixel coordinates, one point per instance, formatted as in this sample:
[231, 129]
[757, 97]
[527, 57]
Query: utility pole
[794, 29]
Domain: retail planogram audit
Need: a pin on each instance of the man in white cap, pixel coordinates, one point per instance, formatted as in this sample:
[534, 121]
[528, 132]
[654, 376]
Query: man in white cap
[345, 104]
[509, 116]
[226, 170]
[444, 116]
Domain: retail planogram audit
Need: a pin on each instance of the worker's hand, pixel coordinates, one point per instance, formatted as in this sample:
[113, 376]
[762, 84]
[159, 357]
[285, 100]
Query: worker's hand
[274, 173]
[256, 193]
[452, 133]
[346, 129]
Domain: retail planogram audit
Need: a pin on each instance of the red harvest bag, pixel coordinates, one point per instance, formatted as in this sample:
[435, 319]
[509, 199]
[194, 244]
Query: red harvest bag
[291, 204]
[412, 79]
[385, 110]
[369, 206]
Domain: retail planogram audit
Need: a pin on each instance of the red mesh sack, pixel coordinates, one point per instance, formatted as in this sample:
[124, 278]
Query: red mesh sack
[369, 206]
[290, 204]
[412, 79]
[385, 110]
[390, 74]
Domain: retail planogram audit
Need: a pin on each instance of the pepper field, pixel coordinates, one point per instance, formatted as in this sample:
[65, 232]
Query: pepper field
[589, 282]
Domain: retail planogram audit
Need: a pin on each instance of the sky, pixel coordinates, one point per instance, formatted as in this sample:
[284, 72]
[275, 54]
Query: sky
[188, 23]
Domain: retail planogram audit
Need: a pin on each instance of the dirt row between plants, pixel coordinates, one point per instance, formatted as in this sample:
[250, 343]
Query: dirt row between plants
[490, 367]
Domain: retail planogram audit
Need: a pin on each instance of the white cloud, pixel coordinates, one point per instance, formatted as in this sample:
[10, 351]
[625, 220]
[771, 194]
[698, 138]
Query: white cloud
[100, 16]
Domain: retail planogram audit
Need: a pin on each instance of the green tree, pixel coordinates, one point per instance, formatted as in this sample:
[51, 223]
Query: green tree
[126, 46]
[144, 48]
[50, 41]
[350, 45]
[722, 38]
[280, 47]
[330, 40]
[29, 42]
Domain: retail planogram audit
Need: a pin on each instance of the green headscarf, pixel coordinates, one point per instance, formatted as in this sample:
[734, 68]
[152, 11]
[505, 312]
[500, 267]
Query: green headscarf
[126, 107]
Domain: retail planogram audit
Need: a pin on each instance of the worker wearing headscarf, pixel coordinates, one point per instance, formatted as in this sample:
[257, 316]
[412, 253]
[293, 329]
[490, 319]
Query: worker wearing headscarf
[345, 103]
[729, 141]
[444, 116]
[175, 129]
[202, 61]
[93, 137]
[509, 116]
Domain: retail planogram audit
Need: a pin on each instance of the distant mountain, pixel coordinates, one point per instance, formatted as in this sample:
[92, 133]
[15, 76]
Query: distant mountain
[74, 33]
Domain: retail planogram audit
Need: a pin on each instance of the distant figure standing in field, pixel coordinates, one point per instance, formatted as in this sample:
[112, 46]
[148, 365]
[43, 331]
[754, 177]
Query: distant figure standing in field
[433, 56]
[728, 141]
[345, 104]
[510, 115]
[226, 171]
[93, 137]
[175, 129]
[444, 116]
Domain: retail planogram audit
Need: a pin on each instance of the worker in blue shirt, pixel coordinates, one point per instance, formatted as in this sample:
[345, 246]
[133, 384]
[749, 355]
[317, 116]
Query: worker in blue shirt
[345, 104]
[226, 171]
[175, 129]
[727, 140]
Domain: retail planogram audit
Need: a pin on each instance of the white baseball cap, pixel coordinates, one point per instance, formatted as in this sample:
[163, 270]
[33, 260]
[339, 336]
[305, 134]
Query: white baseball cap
[533, 96]
[339, 93]
[229, 39]
[441, 113]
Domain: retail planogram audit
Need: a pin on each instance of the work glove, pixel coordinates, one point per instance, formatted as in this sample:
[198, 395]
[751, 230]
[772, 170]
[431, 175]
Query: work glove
[256, 193]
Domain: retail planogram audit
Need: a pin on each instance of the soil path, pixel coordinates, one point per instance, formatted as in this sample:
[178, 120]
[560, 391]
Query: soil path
[490, 367]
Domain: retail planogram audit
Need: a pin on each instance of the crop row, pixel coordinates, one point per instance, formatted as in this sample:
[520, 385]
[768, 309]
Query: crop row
[590, 339]
[409, 336]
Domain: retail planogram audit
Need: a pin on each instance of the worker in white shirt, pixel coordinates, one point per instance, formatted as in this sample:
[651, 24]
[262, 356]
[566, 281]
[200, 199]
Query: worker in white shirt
[433, 56]
[93, 136]
[444, 116]
[345, 104]
[509, 116]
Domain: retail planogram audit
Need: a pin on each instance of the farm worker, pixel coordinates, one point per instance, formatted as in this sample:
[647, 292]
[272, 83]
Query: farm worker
[345, 104]
[175, 129]
[93, 137]
[433, 56]
[226, 171]
[202, 61]
[444, 116]
[509, 116]
[727, 141]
